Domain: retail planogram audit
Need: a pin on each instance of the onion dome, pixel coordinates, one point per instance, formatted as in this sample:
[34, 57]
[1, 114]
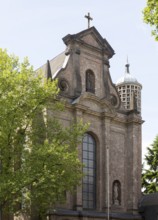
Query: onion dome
[127, 78]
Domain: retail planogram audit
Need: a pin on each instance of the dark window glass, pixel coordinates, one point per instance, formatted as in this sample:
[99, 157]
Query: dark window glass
[85, 154]
[84, 146]
[91, 163]
[91, 155]
[89, 179]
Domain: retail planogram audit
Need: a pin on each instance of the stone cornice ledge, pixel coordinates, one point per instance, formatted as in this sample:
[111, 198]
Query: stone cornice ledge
[94, 214]
[86, 109]
[134, 118]
[113, 115]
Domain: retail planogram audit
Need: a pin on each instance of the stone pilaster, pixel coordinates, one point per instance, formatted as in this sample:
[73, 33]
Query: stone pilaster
[76, 69]
[78, 200]
[105, 77]
[133, 161]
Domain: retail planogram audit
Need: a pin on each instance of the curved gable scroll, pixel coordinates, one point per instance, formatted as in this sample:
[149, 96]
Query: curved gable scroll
[92, 103]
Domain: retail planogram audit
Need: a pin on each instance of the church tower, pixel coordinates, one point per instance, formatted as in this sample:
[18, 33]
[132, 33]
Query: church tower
[111, 148]
[129, 90]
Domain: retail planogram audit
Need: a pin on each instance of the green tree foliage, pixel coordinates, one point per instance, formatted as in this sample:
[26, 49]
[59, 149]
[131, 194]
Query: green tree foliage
[150, 175]
[38, 156]
[151, 16]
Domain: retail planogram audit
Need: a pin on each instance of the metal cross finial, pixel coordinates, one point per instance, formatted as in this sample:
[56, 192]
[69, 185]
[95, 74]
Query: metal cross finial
[88, 18]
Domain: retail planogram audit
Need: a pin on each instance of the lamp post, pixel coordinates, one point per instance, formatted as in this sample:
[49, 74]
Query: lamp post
[108, 180]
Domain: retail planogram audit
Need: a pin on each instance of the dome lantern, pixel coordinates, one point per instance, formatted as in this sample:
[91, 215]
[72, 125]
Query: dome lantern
[130, 90]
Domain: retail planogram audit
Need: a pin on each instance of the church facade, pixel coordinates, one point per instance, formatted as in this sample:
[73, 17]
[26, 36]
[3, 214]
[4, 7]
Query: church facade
[111, 148]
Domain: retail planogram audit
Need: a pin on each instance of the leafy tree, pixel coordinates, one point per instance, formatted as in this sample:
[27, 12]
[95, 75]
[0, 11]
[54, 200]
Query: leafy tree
[151, 16]
[39, 159]
[150, 175]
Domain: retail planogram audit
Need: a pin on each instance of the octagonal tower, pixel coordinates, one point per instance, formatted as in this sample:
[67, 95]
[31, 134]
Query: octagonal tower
[130, 90]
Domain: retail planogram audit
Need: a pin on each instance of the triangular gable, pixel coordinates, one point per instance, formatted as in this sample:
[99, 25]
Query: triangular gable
[90, 37]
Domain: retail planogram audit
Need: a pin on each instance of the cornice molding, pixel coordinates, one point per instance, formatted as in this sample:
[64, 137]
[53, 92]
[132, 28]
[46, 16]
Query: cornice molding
[103, 115]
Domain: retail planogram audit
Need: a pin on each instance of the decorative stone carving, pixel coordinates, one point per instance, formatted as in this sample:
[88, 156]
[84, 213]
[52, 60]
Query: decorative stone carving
[113, 100]
[63, 85]
[116, 193]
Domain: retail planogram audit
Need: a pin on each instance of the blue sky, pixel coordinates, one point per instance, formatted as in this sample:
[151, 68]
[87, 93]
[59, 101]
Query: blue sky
[35, 28]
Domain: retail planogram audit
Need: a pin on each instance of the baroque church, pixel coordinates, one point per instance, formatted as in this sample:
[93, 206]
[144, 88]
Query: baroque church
[111, 148]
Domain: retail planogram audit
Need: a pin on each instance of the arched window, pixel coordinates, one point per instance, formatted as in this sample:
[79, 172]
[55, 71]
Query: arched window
[90, 81]
[89, 169]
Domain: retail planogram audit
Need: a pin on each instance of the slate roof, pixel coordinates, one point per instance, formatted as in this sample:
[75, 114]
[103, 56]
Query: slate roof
[53, 66]
[149, 200]
[58, 63]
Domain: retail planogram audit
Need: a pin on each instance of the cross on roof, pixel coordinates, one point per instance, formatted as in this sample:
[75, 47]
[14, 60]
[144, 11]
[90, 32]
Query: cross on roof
[88, 18]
